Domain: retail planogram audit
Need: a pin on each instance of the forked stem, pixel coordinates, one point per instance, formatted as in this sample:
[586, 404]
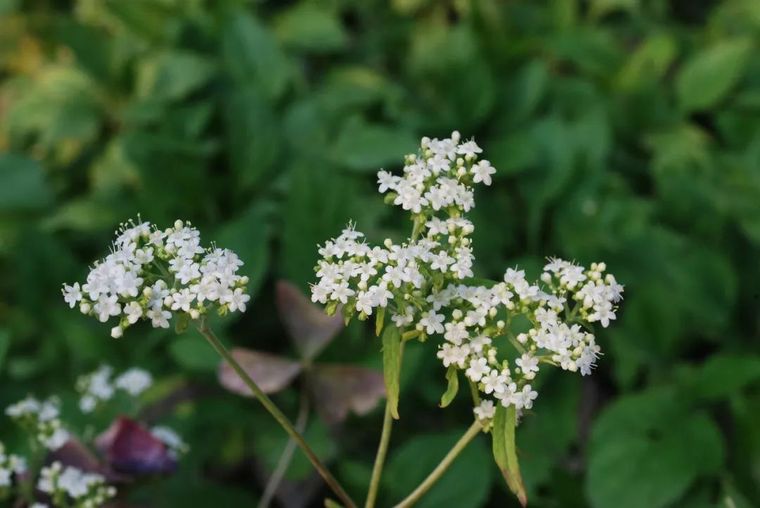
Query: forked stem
[442, 466]
[276, 413]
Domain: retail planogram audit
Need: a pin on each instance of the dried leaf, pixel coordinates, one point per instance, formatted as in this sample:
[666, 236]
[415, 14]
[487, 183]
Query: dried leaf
[338, 389]
[271, 372]
[308, 325]
[130, 448]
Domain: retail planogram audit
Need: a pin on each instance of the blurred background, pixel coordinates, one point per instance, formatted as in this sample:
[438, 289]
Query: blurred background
[622, 130]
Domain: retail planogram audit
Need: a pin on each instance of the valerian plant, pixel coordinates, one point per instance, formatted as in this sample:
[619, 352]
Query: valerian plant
[499, 334]
[496, 335]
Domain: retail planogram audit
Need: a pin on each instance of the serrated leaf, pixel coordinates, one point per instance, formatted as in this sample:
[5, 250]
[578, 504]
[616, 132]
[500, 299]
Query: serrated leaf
[452, 375]
[340, 389]
[271, 372]
[307, 324]
[711, 73]
[392, 351]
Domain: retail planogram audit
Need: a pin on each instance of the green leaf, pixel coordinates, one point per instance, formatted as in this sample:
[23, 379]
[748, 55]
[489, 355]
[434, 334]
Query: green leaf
[5, 344]
[726, 374]
[505, 451]
[643, 452]
[193, 353]
[452, 375]
[368, 147]
[465, 484]
[710, 74]
[248, 236]
[392, 351]
[24, 187]
[172, 75]
[379, 321]
[310, 27]
[252, 55]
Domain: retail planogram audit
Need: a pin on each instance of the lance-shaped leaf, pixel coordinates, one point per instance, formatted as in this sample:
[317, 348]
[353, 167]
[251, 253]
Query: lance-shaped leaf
[392, 350]
[453, 378]
[505, 452]
[338, 389]
[130, 448]
[271, 372]
[308, 325]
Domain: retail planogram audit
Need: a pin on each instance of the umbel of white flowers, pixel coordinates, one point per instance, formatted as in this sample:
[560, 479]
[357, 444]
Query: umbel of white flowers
[153, 274]
[425, 284]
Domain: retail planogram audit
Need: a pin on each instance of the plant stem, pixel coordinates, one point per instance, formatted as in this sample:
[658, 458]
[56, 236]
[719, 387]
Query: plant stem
[382, 449]
[287, 455]
[276, 413]
[441, 468]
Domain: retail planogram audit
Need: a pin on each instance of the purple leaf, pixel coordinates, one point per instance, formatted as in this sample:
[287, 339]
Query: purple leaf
[338, 389]
[308, 325]
[271, 372]
[130, 448]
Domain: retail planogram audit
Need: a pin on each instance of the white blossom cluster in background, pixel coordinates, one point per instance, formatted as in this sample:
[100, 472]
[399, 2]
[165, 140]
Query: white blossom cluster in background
[41, 419]
[100, 386]
[10, 465]
[174, 443]
[154, 274]
[425, 285]
[69, 486]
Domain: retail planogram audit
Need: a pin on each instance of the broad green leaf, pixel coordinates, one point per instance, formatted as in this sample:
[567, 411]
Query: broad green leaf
[192, 353]
[252, 55]
[452, 375]
[392, 352]
[708, 76]
[465, 484]
[172, 75]
[310, 27]
[643, 451]
[368, 147]
[726, 374]
[24, 187]
[648, 63]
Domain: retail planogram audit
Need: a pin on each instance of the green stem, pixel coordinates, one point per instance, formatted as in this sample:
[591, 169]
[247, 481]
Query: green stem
[441, 468]
[276, 413]
[382, 450]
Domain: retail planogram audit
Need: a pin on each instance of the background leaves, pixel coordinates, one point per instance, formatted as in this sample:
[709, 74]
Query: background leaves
[623, 131]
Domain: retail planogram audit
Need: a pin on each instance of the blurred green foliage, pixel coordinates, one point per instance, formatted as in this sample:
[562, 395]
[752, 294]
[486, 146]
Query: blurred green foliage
[623, 130]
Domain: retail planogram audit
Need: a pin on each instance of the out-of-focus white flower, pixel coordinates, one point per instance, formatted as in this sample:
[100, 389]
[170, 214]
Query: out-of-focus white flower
[74, 486]
[152, 274]
[171, 439]
[41, 419]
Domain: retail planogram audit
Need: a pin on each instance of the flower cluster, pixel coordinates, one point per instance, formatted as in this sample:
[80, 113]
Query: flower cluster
[174, 443]
[69, 486]
[151, 274]
[10, 465]
[425, 285]
[100, 386]
[41, 419]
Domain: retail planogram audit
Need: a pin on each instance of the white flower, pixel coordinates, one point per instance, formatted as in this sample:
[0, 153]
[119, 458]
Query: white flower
[72, 294]
[469, 149]
[478, 368]
[134, 381]
[482, 171]
[529, 365]
[485, 410]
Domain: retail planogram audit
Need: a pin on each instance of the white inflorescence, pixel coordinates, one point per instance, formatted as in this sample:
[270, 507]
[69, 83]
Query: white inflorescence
[171, 439]
[74, 487]
[153, 274]
[100, 386]
[41, 418]
[425, 284]
[10, 465]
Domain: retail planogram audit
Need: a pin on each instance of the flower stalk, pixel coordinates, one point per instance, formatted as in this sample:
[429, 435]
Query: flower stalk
[278, 415]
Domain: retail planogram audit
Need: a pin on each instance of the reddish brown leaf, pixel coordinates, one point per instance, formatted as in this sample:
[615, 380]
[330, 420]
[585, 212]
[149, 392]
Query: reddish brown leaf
[308, 325]
[338, 389]
[271, 372]
[130, 448]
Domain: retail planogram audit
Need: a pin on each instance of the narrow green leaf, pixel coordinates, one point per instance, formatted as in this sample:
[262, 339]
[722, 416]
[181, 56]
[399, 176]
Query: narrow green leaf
[379, 321]
[505, 451]
[5, 343]
[329, 503]
[392, 366]
[453, 377]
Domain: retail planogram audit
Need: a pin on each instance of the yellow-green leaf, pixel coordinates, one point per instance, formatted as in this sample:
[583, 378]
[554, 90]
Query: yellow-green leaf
[392, 366]
[505, 452]
[453, 388]
[379, 321]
